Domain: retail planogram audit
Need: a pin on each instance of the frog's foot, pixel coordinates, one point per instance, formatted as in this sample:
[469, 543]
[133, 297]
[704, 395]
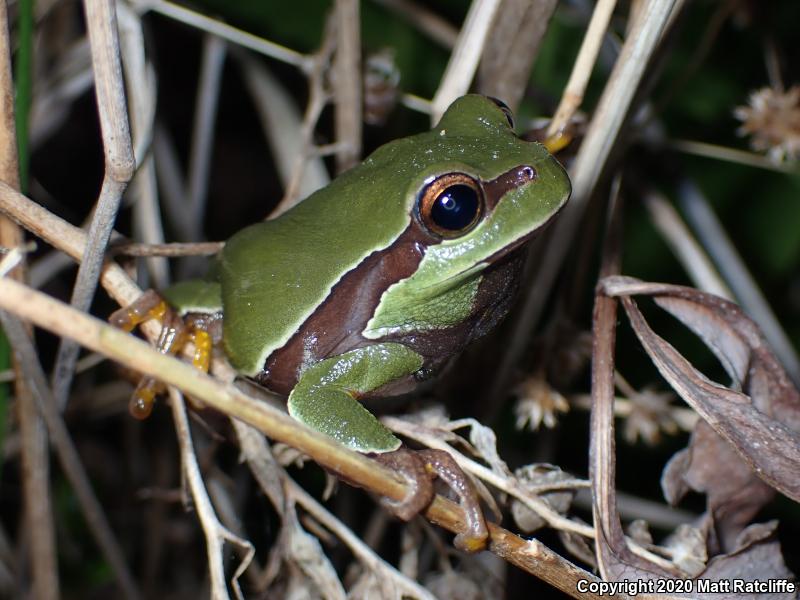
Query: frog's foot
[419, 468]
[174, 336]
[419, 482]
[150, 305]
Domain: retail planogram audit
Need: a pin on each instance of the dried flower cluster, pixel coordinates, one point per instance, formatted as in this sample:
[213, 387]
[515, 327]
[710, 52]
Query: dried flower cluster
[772, 119]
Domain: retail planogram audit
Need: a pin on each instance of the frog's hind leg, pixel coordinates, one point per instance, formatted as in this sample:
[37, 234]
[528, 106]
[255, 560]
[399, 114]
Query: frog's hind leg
[201, 330]
[150, 305]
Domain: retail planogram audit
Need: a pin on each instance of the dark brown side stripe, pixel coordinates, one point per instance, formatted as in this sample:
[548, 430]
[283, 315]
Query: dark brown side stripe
[336, 325]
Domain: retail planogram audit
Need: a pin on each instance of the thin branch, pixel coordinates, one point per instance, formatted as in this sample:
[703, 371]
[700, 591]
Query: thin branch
[510, 486]
[35, 460]
[582, 67]
[734, 155]
[465, 56]
[282, 125]
[686, 249]
[273, 480]
[736, 274]
[141, 80]
[68, 456]
[425, 20]
[587, 169]
[101, 22]
[404, 585]
[226, 32]
[216, 533]
[72, 241]
[172, 249]
[350, 466]
[347, 83]
[318, 97]
[203, 130]
[515, 38]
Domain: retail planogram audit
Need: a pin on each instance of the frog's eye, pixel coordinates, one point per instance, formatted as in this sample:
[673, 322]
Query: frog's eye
[451, 205]
[506, 111]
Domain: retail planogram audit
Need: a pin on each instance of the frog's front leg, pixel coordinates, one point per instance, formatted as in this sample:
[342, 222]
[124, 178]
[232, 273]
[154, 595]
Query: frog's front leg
[326, 399]
[326, 395]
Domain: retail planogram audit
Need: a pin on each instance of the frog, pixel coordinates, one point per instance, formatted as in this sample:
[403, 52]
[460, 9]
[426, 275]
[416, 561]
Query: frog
[371, 285]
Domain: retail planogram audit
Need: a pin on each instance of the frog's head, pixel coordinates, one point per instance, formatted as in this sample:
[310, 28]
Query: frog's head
[476, 192]
[488, 192]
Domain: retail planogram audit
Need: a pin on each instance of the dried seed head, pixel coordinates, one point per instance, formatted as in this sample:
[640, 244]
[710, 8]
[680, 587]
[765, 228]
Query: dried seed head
[772, 119]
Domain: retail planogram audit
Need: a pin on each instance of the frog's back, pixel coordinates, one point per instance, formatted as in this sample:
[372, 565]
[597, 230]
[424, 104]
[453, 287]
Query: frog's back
[275, 273]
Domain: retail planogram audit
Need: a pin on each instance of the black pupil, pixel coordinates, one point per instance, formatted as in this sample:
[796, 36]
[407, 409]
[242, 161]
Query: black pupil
[455, 208]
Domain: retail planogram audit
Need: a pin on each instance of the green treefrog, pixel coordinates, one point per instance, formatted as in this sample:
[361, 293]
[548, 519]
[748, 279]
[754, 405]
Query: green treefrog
[370, 285]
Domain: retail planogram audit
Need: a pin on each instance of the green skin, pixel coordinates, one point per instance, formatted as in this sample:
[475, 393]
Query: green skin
[273, 278]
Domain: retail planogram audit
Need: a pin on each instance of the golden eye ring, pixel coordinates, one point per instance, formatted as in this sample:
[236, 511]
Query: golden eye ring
[451, 205]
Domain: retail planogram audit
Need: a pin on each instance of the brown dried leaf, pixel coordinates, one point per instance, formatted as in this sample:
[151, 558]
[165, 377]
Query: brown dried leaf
[471, 584]
[615, 559]
[305, 553]
[639, 531]
[687, 546]
[757, 558]
[578, 546]
[532, 477]
[753, 422]
[734, 494]
[484, 440]
[758, 422]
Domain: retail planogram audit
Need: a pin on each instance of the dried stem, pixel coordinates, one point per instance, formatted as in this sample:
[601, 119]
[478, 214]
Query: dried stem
[96, 335]
[318, 97]
[283, 125]
[737, 275]
[68, 457]
[688, 252]
[734, 155]
[428, 22]
[582, 68]
[347, 83]
[141, 88]
[588, 167]
[513, 46]
[101, 23]
[172, 250]
[226, 32]
[35, 457]
[465, 56]
[510, 486]
[216, 533]
[203, 130]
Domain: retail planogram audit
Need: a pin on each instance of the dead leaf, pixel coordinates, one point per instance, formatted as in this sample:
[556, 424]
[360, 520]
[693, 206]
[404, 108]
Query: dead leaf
[758, 421]
[687, 546]
[532, 477]
[757, 558]
[734, 493]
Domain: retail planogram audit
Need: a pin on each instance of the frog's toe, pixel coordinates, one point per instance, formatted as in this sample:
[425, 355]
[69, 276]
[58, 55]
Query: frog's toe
[150, 305]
